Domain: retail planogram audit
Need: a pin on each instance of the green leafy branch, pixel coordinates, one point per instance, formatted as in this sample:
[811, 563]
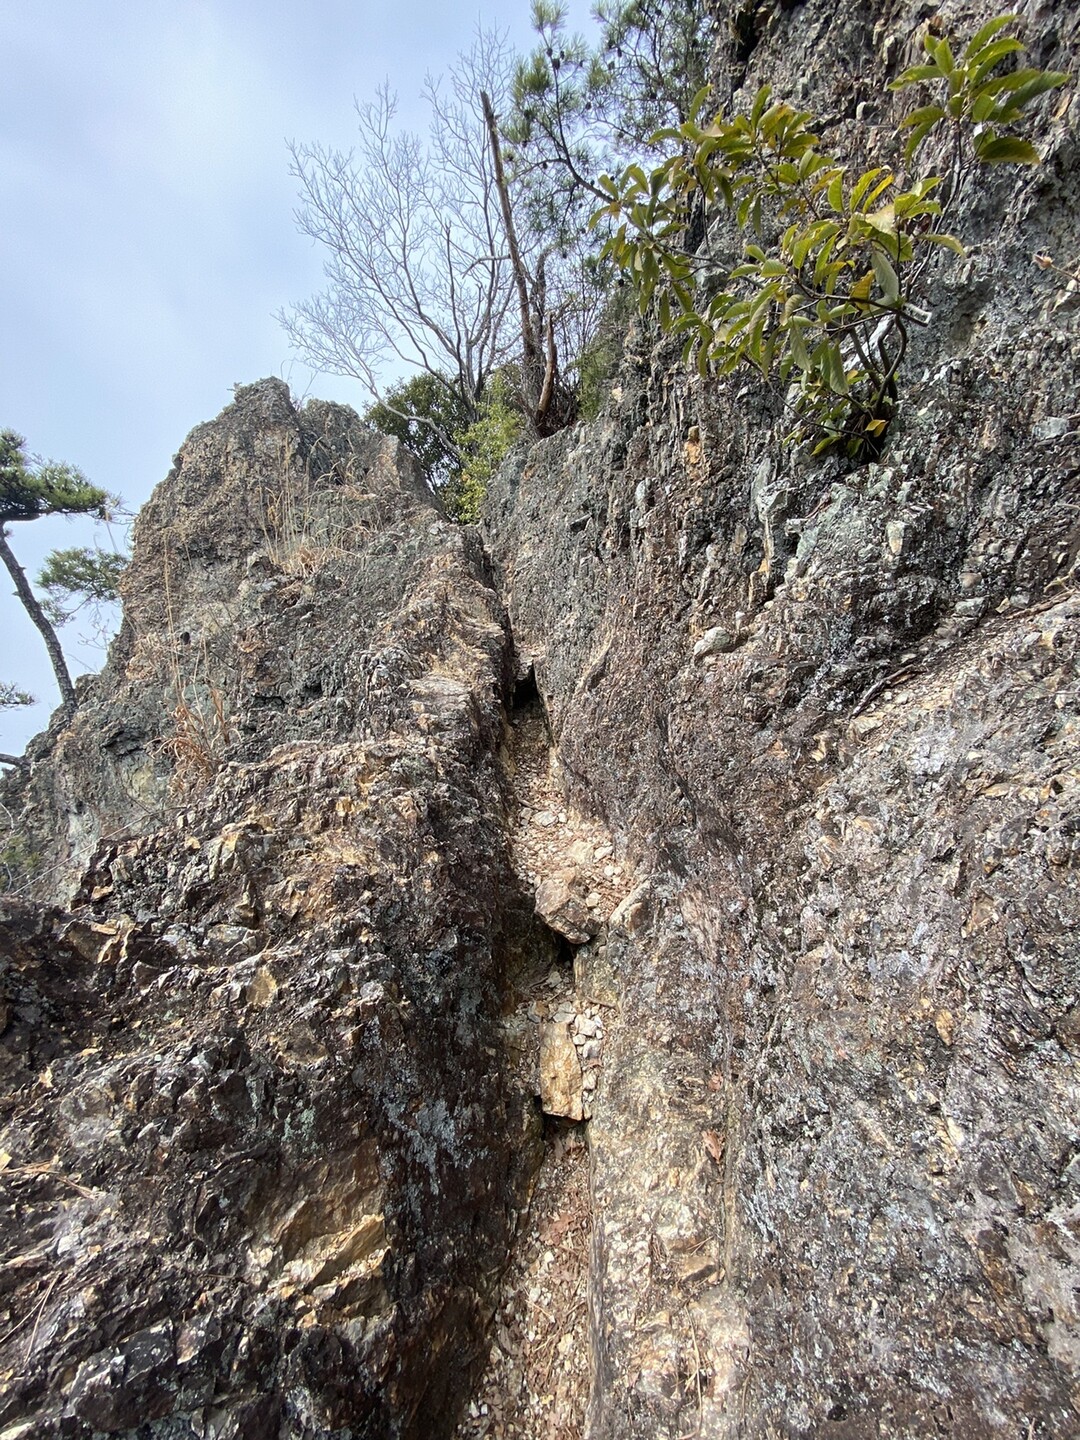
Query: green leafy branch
[824, 296]
[77, 577]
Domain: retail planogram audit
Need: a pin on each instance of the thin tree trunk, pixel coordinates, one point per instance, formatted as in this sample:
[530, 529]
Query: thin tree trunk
[530, 341]
[38, 616]
[548, 390]
[18, 760]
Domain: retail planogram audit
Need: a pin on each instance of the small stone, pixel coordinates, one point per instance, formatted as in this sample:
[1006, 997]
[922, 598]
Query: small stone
[560, 1072]
[592, 900]
[896, 536]
[866, 725]
[545, 819]
[560, 909]
[261, 989]
[609, 872]
[602, 852]
[945, 1025]
[714, 642]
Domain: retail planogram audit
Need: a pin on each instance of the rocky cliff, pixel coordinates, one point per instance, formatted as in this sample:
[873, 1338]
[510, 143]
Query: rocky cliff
[721, 803]
[263, 1149]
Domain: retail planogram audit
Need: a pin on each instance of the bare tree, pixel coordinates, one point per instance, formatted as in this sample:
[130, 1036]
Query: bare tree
[417, 271]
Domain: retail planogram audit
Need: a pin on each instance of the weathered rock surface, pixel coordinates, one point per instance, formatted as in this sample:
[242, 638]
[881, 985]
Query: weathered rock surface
[261, 1151]
[560, 1071]
[833, 718]
[804, 797]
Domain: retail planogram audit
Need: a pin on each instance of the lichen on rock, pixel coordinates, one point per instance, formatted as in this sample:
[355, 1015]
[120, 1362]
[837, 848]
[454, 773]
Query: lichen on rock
[793, 772]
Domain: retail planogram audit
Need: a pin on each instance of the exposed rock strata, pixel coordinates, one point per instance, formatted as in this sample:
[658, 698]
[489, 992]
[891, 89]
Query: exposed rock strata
[834, 719]
[266, 1122]
[263, 1152]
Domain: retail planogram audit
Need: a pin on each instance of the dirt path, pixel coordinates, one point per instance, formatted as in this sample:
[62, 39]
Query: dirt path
[536, 1383]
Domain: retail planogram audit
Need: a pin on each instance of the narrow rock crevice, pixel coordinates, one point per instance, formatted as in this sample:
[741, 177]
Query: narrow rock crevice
[536, 1382]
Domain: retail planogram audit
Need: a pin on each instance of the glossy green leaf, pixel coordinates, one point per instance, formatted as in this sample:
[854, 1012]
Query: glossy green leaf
[883, 220]
[1005, 150]
[914, 75]
[860, 291]
[942, 53]
[821, 264]
[877, 192]
[1037, 84]
[991, 56]
[985, 34]
[949, 242]
[862, 185]
[887, 277]
[761, 100]
[797, 345]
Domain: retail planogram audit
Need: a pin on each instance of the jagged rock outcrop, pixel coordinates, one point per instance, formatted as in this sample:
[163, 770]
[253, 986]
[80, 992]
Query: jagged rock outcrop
[832, 717]
[262, 1149]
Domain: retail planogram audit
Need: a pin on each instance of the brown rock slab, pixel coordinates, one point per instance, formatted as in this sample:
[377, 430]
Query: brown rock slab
[560, 1071]
[565, 912]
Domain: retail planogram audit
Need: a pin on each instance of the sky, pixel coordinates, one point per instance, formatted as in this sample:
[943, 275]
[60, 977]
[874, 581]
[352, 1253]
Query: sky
[148, 236]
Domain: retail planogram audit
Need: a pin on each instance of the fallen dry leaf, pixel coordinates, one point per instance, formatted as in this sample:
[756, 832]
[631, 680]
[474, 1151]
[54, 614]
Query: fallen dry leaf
[714, 1144]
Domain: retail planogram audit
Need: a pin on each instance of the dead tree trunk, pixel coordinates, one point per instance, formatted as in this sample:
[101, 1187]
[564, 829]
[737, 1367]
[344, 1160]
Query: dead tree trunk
[538, 369]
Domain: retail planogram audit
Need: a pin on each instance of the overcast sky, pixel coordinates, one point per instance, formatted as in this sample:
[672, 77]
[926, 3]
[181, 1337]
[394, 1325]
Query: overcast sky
[147, 237]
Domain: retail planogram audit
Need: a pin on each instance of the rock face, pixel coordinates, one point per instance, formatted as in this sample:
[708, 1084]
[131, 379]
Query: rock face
[260, 1152]
[832, 718]
[807, 815]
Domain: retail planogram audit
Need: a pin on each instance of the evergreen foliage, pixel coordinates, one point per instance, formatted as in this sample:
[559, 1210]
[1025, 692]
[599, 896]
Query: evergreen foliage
[29, 490]
[484, 445]
[467, 250]
[578, 110]
[79, 576]
[11, 696]
[827, 287]
[426, 413]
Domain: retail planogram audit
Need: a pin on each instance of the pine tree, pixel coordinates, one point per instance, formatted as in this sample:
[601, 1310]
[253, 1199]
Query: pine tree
[30, 490]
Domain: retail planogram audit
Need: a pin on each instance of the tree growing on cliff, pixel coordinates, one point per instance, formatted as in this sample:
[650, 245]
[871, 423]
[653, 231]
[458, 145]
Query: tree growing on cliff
[578, 111]
[465, 250]
[827, 288]
[432, 261]
[426, 414]
[30, 490]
